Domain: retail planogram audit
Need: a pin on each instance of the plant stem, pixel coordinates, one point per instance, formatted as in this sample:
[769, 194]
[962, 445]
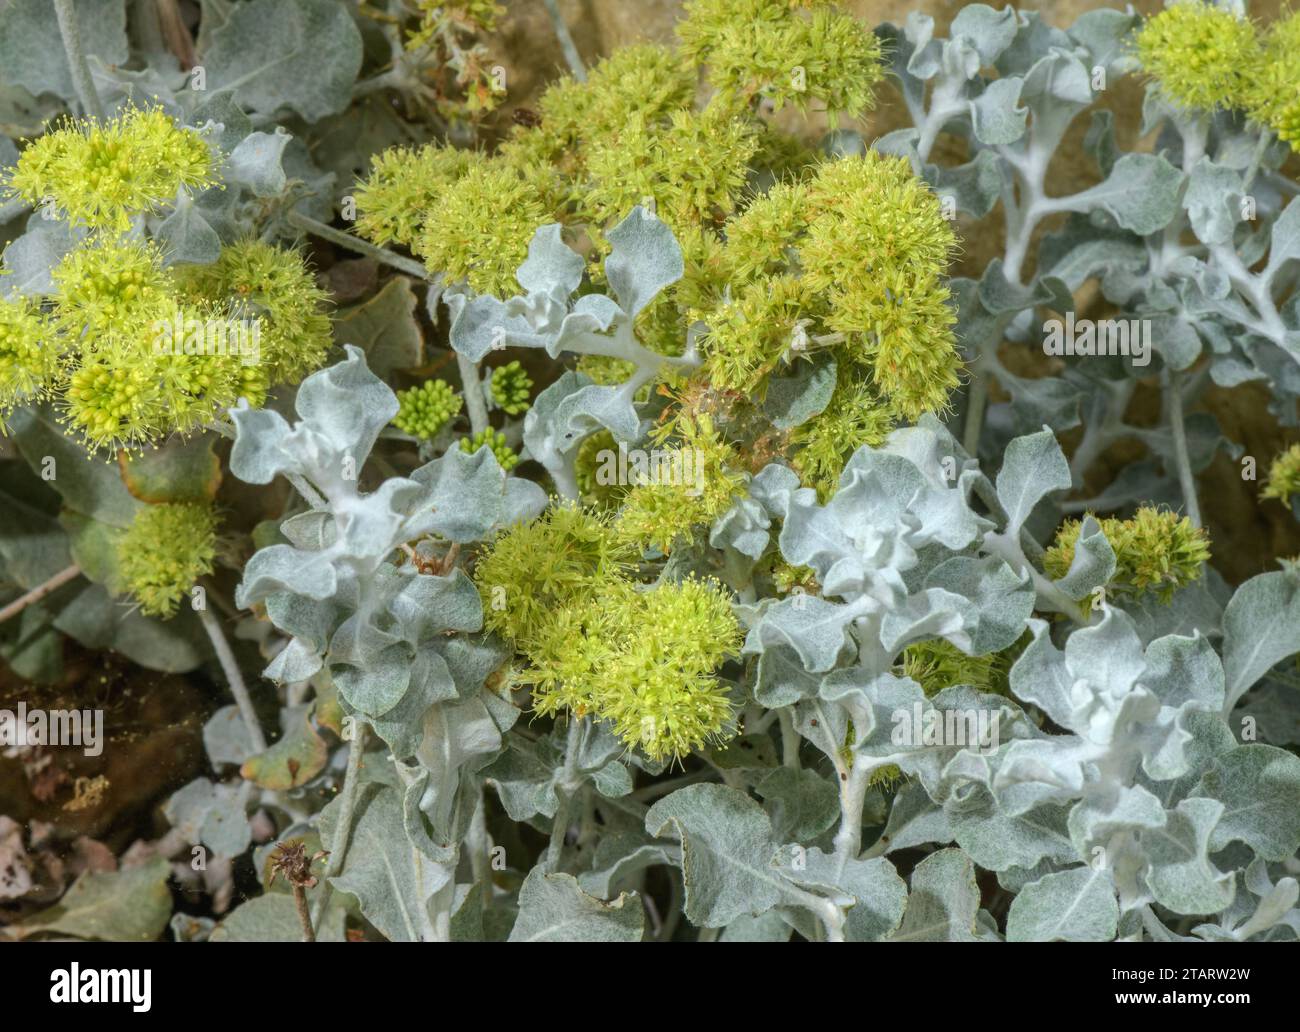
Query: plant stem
[237, 686]
[355, 244]
[343, 829]
[472, 383]
[571, 54]
[1174, 394]
[39, 592]
[570, 782]
[304, 914]
[66, 13]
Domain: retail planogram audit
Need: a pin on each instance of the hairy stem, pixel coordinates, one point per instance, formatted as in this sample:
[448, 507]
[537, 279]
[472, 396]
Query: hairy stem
[65, 11]
[472, 382]
[571, 55]
[355, 244]
[1182, 459]
[347, 804]
[39, 592]
[237, 686]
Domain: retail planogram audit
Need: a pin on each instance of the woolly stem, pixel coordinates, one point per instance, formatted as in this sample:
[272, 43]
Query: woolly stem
[39, 592]
[237, 686]
[570, 782]
[472, 383]
[1182, 459]
[343, 829]
[66, 13]
[571, 55]
[355, 244]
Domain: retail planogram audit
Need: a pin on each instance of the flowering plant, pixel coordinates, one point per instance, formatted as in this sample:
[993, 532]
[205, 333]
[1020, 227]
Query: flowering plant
[783, 481]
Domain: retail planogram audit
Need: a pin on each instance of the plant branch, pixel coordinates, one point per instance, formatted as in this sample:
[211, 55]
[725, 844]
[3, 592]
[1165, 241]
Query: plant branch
[472, 382]
[65, 11]
[355, 244]
[237, 686]
[571, 55]
[1182, 459]
[343, 829]
[39, 592]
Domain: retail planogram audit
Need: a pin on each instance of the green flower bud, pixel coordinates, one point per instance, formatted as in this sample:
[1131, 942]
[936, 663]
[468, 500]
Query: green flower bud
[426, 409]
[511, 387]
[496, 441]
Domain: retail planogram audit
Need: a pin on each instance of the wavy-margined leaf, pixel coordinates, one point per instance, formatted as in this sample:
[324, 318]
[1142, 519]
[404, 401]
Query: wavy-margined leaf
[554, 908]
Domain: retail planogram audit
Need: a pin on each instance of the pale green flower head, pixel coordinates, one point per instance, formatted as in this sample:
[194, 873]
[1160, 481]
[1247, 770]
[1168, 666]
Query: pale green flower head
[165, 551]
[101, 175]
[1202, 55]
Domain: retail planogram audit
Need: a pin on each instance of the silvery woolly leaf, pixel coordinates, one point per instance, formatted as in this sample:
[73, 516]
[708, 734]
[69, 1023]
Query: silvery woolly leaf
[1285, 245]
[524, 777]
[388, 877]
[275, 54]
[553, 908]
[377, 687]
[1104, 33]
[187, 236]
[794, 399]
[727, 851]
[990, 30]
[428, 604]
[743, 528]
[996, 115]
[31, 46]
[30, 259]
[1141, 193]
[1032, 467]
[1213, 201]
[1261, 627]
[457, 737]
[915, 820]
[280, 568]
[1093, 563]
[256, 163]
[974, 186]
[552, 267]
[621, 855]
[943, 902]
[1181, 876]
[873, 894]
[402, 727]
[1077, 905]
[470, 495]
[801, 803]
[782, 679]
[645, 258]
[998, 841]
[1000, 601]
[815, 629]
[258, 454]
[347, 405]
[1259, 787]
